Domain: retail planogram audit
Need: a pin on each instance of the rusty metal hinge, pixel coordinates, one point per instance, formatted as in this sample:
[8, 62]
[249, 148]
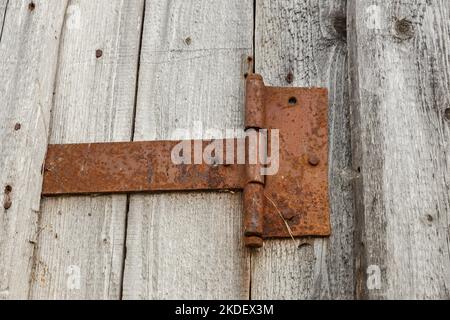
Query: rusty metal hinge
[287, 197]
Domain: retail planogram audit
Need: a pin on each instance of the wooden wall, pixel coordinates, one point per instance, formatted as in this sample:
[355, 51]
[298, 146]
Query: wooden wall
[130, 70]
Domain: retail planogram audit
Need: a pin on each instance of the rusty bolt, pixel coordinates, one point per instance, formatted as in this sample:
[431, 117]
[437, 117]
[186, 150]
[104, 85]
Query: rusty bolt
[313, 160]
[98, 53]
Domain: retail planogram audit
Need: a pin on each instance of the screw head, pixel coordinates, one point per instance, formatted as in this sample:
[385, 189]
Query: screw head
[313, 160]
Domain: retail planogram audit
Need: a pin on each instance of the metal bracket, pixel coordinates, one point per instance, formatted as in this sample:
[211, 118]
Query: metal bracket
[292, 202]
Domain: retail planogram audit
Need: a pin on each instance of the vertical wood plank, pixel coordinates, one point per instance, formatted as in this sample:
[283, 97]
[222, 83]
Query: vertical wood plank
[191, 73]
[303, 43]
[3, 7]
[28, 51]
[399, 54]
[80, 247]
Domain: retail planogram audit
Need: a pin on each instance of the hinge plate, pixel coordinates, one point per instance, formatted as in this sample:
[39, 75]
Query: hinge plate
[300, 188]
[294, 200]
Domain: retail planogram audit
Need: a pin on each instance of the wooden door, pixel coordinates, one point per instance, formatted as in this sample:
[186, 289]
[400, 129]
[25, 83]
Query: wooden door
[134, 70]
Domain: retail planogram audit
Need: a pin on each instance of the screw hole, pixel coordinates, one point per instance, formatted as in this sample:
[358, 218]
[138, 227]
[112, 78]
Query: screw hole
[98, 53]
[292, 101]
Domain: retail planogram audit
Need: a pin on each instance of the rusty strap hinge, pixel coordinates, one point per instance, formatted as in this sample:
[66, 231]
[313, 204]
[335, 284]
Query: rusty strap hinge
[284, 197]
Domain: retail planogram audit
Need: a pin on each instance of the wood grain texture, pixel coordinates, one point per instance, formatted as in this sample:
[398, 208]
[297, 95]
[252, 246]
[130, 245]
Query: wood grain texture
[28, 51]
[3, 8]
[399, 57]
[80, 248]
[303, 43]
[189, 245]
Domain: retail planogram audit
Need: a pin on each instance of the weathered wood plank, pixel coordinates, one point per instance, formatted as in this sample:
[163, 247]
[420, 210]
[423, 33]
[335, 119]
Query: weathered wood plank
[80, 248]
[3, 7]
[189, 245]
[28, 51]
[399, 57]
[302, 43]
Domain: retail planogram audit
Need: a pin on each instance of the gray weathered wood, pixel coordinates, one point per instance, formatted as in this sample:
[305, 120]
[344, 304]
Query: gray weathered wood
[28, 51]
[399, 58]
[189, 245]
[302, 43]
[194, 56]
[80, 249]
[3, 7]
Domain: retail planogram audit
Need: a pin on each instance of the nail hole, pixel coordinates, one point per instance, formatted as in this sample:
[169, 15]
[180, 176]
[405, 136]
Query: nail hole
[188, 41]
[17, 127]
[31, 6]
[99, 53]
[292, 101]
[7, 203]
[290, 77]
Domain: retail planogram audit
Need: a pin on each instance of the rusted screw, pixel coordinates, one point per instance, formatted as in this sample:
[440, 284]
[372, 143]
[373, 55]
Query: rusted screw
[98, 53]
[17, 127]
[313, 160]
